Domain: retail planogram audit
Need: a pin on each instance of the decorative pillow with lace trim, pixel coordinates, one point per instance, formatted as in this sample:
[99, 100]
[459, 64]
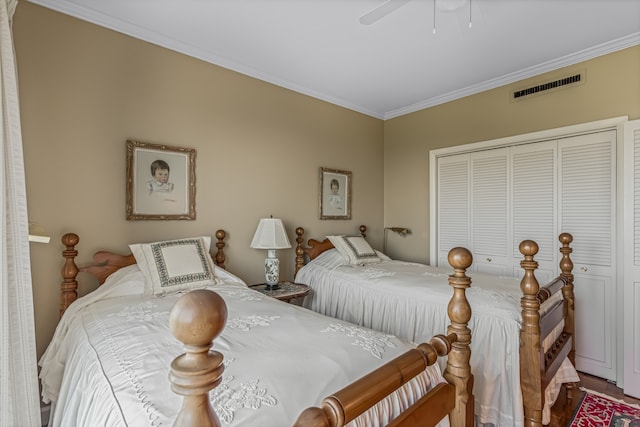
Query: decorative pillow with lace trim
[356, 249]
[175, 265]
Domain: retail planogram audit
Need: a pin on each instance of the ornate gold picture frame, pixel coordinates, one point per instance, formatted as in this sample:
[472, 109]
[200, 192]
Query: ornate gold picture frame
[161, 182]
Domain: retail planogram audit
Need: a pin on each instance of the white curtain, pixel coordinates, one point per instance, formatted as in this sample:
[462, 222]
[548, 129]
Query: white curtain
[19, 401]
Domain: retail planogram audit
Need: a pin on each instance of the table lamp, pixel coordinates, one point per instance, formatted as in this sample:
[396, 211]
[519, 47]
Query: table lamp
[271, 235]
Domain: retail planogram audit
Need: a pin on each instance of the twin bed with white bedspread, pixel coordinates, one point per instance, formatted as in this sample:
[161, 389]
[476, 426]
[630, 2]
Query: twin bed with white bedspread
[410, 300]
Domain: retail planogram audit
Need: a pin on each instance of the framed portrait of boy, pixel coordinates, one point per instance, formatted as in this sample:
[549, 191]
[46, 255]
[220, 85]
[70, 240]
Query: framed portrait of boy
[161, 182]
[335, 194]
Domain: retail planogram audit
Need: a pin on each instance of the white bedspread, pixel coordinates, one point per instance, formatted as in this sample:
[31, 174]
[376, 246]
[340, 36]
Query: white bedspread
[410, 300]
[108, 363]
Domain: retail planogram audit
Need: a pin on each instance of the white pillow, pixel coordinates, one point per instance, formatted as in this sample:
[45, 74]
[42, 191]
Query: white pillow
[356, 249]
[175, 265]
[382, 256]
[330, 259]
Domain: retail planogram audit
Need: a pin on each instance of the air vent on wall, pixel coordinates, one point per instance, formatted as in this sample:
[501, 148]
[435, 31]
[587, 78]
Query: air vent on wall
[572, 79]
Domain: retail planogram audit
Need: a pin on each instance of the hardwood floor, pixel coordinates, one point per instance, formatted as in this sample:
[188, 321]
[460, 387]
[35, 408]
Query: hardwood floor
[563, 409]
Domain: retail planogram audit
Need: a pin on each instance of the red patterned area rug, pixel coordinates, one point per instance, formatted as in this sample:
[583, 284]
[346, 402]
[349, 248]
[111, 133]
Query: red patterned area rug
[599, 410]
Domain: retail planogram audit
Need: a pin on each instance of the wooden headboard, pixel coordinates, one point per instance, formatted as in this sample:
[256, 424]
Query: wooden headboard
[314, 247]
[104, 264]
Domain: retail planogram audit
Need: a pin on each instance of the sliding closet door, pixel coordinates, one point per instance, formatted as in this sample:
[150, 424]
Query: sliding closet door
[453, 205]
[587, 195]
[631, 281]
[534, 198]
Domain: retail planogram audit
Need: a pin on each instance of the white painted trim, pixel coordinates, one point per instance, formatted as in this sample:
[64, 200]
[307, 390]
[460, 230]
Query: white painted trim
[159, 39]
[629, 378]
[141, 33]
[568, 60]
[433, 225]
[527, 138]
[621, 168]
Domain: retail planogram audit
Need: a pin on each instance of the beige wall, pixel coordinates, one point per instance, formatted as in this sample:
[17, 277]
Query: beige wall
[612, 89]
[85, 90]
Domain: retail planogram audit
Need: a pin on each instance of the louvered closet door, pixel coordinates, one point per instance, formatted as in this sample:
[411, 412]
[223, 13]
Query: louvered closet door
[490, 207]
[453, 205]
[587, 201]
[632, 260]
[534, 199]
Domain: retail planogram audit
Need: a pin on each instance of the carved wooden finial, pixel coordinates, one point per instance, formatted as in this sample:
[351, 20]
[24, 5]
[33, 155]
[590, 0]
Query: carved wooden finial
[566, 265]
[458, 370]
[460, 259]
[299, 250]
[363, 230]
[196, 319]
[529, 284]
[459, 309]
[220, 257]
[528, 248]
[69, 285]
[568, 292]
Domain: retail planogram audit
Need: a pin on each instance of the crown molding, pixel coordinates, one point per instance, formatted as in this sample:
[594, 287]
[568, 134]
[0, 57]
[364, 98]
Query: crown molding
[87, 14]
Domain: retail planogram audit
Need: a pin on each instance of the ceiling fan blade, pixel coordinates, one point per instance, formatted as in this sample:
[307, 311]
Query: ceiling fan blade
[381, 11]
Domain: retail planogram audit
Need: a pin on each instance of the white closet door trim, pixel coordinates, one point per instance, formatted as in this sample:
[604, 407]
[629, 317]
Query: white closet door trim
[526, 138]
[631, 276]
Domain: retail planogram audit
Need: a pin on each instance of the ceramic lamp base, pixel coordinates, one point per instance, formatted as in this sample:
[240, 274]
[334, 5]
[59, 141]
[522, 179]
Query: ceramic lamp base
[272, 270]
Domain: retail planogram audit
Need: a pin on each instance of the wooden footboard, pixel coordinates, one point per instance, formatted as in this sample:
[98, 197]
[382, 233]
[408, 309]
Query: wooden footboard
[454, 399]
[538, 365]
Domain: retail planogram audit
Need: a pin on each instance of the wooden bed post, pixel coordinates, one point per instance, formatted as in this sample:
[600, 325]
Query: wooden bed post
[566, 267]
[69, 285]
[196, 319]
[531, 363]
[220, 257]
[299, 250]
[458, 370]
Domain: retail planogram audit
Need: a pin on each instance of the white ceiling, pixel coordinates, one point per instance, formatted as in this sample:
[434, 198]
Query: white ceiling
[386, 69]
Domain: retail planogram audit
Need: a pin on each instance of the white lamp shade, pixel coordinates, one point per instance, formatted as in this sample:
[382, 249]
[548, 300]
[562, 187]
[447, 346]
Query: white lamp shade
[270, 234]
